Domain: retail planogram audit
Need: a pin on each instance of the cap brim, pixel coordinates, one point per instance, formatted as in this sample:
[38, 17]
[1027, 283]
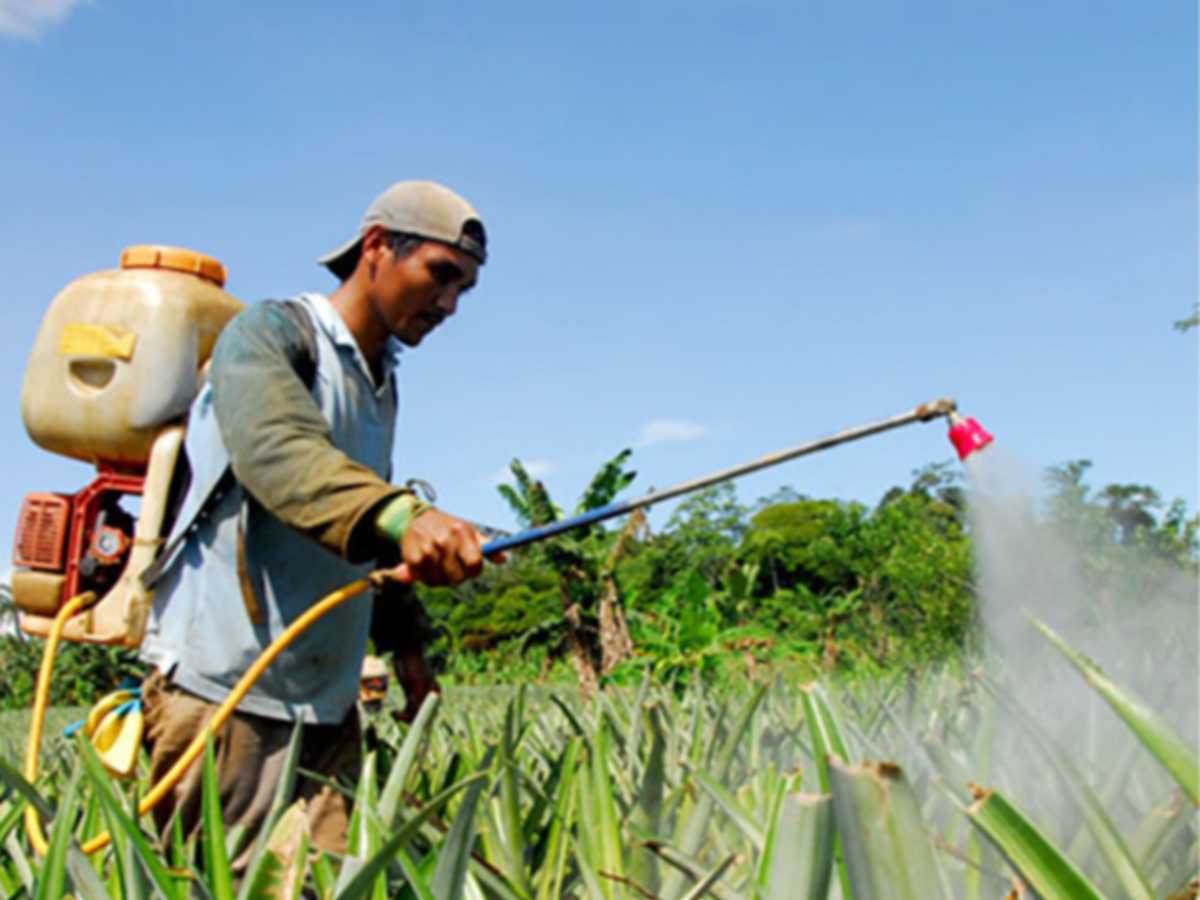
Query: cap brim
[341, 262]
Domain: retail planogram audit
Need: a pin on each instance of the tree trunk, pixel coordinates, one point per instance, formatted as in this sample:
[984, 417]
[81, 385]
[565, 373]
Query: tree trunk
[581, 656]
[616, 644]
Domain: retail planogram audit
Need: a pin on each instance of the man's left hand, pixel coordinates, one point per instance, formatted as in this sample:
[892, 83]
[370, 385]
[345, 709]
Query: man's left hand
[417, 679]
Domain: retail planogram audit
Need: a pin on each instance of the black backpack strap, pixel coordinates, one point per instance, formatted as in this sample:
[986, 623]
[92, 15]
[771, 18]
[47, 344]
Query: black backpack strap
[305, 365]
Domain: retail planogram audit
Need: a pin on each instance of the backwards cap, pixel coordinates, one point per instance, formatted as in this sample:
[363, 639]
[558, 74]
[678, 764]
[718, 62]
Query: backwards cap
[421, 208]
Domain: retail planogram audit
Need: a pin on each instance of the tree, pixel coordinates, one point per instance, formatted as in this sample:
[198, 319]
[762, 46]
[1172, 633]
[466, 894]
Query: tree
[706, 529]
[804, 581]
[1191, 321]
[785, 494]
[1129, 506]
[616, 643]
[1124, 515]
[807, 543]
[592, 626]
[9, 618]
[881, 586]
[528, 500]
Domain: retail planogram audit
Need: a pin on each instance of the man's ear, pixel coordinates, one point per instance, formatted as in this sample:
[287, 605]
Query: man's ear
[375, 239]
[373, 243]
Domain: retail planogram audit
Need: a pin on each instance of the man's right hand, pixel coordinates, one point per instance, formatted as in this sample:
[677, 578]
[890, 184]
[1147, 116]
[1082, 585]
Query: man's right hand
[440, 549]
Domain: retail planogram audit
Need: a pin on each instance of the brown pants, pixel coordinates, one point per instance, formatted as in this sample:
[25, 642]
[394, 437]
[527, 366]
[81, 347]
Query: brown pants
[250, 754]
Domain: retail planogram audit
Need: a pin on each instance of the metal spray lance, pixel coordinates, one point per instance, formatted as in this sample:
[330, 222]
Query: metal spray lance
[966, 434]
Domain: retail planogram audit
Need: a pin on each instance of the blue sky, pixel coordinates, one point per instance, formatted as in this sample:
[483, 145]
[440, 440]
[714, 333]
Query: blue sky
[718, 229]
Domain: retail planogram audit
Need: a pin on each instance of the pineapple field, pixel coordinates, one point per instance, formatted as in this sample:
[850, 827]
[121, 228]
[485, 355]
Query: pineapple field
[943, 784]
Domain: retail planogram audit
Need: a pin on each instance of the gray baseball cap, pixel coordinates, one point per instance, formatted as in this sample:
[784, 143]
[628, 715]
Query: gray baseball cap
[422, 208]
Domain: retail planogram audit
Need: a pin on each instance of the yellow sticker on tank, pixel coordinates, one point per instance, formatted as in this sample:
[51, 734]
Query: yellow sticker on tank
[106, 341]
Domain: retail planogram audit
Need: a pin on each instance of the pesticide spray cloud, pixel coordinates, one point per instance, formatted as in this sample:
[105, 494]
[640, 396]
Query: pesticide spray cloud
[1061, 560]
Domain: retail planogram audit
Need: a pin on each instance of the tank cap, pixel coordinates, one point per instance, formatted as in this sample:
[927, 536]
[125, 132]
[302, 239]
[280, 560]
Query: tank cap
[177, 259]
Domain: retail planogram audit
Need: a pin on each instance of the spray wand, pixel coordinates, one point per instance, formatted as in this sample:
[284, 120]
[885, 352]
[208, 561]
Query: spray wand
[966, 434]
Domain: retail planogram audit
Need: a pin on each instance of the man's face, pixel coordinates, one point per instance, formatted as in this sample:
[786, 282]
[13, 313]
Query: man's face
[416, 293]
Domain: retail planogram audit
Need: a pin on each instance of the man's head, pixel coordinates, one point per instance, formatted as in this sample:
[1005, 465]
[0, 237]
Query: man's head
[418, 249]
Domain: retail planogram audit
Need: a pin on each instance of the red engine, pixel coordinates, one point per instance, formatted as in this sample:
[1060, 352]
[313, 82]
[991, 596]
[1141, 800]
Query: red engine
[85, 537]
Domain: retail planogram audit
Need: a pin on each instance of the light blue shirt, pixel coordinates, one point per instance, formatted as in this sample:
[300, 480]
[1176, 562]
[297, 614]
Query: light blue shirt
[200, 632]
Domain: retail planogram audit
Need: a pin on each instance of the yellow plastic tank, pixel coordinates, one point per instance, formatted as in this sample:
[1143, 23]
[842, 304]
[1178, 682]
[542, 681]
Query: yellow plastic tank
[120, 353]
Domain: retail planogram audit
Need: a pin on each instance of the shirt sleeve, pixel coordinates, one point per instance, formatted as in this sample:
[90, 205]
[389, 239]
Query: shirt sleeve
[279, 443]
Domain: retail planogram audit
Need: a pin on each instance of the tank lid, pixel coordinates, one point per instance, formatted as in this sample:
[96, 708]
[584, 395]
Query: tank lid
[177, 259]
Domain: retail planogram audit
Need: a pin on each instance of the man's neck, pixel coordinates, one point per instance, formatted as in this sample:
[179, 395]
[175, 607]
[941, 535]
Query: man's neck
[360, 317]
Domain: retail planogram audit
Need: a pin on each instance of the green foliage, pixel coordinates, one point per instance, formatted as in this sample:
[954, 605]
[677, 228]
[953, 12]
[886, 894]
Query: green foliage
[528, 500]
[607, 483]
[807, 543]
[891, 586]
[796, 583]
[83, 673]
[1123, 544]
[1122, 515]
[1191, 321]
[707, 527]
[702, 534]
[505, 602]
[577, 562]
[679, 631]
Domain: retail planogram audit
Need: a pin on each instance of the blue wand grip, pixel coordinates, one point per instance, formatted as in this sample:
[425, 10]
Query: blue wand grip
[555, 528]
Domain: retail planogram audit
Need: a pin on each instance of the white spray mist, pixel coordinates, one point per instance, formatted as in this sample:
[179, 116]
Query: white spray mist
[1134, 613]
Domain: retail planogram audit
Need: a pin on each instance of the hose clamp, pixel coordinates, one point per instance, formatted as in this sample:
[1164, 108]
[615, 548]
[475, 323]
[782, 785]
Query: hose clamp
[423, 489]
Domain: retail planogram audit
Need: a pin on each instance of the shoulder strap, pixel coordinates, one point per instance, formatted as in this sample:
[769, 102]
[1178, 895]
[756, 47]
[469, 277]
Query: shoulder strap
[306, 367]
[306, 363]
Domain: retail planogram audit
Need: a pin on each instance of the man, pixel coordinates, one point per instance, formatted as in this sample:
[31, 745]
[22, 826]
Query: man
[372, 685]
[372, 693]
[300, 406]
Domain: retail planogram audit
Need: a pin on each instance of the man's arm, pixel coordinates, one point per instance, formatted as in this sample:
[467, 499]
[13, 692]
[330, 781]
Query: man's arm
[279, 443]
[400, 626]
[282, 452]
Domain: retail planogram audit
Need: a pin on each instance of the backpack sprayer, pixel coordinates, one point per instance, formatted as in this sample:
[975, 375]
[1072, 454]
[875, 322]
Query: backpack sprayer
[118, 359]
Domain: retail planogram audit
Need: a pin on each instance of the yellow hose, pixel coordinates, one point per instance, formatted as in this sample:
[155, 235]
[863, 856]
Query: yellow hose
[33, 825]
[41, 697]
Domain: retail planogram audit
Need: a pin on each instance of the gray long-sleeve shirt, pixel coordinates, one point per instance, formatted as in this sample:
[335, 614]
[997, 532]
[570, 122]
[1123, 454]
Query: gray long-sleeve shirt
[311, 466]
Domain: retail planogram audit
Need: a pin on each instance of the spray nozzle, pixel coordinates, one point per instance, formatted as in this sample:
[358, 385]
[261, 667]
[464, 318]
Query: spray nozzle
[967, 435]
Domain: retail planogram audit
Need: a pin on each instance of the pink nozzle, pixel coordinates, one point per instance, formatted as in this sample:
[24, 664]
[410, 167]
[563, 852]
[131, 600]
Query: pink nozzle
[967, 436]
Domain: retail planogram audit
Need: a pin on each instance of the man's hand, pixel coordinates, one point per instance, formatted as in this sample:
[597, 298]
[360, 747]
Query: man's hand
[417, 679]
[439, 549]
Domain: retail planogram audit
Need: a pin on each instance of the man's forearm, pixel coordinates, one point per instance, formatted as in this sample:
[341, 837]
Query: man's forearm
[399, 623]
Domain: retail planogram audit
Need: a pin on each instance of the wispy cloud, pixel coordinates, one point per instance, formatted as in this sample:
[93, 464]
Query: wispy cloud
[29, 18]
[663, 431]
[537, 468]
